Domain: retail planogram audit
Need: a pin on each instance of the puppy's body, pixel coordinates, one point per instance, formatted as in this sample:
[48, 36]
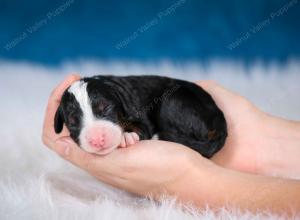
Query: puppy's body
[172, 109]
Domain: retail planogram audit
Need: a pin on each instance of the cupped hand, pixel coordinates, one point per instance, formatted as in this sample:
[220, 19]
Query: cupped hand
[151, 166]
[158, 167]
[49, 137]
[148, 167]
[252, 135]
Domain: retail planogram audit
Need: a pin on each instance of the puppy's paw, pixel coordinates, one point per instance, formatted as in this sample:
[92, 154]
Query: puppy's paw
[129, 138]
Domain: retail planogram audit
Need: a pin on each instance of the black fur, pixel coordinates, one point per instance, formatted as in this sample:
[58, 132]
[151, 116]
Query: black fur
[69, 112]
[176, 110]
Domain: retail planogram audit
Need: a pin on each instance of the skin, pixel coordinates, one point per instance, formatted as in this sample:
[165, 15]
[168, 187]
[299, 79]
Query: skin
[257, 142]
[156, 167]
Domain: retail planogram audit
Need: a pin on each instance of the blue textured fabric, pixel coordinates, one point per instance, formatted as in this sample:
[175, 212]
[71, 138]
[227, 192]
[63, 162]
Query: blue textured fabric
[53, 31]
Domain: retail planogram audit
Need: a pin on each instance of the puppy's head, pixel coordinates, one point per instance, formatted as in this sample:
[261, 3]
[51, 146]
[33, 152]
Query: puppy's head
[92, 115]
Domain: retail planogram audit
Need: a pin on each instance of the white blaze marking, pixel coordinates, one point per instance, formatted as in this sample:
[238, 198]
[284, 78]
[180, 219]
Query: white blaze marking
[79, 90]
[113, 131]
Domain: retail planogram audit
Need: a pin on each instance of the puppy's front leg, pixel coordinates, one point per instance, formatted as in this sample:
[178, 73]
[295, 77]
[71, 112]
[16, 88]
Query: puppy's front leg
[129, 138]
[135, 132]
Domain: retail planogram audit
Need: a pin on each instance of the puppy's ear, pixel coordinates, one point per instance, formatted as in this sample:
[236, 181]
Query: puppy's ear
[59, 120]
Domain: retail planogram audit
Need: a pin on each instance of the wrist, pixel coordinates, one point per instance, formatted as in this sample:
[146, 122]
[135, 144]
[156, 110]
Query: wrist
[223, 187]
[196, 186]
[219, 187]
[280, 127]
[210, 185]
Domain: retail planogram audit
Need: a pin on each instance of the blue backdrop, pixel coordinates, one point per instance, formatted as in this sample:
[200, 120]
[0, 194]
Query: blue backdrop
[53, 31]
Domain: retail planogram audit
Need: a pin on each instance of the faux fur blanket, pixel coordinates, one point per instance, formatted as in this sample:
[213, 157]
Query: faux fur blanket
[35, 183]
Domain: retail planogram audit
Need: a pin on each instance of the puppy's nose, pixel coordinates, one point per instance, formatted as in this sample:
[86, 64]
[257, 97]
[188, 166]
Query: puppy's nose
[97, 141]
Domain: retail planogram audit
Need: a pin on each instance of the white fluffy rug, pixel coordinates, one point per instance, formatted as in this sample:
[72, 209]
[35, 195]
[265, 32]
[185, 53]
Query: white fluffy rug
[37, 184]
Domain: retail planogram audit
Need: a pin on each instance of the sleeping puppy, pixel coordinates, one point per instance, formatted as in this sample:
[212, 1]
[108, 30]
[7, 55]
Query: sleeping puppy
[106, 112]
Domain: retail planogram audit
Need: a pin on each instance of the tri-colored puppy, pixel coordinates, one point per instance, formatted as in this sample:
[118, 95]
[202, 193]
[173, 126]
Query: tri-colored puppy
[104, 112]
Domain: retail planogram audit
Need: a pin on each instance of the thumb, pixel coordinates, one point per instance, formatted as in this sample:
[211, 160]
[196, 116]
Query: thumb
[70, 151]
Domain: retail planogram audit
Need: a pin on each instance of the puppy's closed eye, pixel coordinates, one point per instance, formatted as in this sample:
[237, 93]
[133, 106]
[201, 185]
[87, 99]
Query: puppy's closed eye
[102, 106]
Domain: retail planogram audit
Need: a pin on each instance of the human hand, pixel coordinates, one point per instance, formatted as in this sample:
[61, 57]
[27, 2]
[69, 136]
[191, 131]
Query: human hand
[148, 167]
[49, 136]
[244, 128]
[243, 124]
[257, 142]
[158, 167]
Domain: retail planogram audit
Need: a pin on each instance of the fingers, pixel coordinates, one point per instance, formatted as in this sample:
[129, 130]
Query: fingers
[223, 97]
[104, 167]
[60, 88]
[215, 89]
[206, 84]
[70, 151]
[48, 129]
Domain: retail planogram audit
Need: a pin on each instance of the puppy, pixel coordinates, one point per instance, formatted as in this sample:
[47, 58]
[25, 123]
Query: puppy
[104, 112]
